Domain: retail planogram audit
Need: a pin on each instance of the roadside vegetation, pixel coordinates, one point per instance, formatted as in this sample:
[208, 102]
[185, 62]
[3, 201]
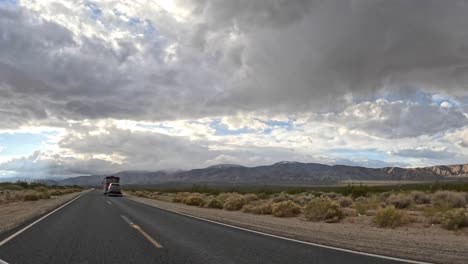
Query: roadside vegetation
[24, 191]
[441, 205]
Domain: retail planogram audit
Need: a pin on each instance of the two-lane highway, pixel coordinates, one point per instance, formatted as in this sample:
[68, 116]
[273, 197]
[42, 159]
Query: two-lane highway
[99, 229]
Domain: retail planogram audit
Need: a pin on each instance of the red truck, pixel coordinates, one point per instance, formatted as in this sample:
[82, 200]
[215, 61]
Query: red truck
[111, 185]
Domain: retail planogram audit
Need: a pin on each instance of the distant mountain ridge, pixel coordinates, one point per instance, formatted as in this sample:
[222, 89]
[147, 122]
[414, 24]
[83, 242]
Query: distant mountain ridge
[281, 173]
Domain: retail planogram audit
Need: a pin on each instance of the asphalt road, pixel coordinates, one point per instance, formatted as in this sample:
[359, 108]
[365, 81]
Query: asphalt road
[100, 229]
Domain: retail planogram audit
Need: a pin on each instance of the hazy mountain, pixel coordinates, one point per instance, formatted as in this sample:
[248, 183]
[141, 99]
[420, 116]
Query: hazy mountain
[287, 173]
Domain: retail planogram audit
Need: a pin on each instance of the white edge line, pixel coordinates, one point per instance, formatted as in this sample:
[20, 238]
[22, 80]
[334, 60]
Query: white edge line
[295, 240]
[37, 221]
[3, 262]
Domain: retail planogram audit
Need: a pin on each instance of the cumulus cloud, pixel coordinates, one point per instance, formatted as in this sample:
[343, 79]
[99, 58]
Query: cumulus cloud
[244, 81]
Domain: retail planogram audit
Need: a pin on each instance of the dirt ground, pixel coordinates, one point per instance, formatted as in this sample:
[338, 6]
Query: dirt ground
[431, 243]
[15, 213]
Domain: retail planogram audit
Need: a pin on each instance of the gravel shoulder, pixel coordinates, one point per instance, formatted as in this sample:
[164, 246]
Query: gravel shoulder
[16, 213]
[430, 244]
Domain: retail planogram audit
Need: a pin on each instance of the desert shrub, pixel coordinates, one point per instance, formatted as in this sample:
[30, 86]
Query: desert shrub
[383, 196]
[331, 195]
[448, 199]
[432, 215]
[263, 195]
[56, 192]
[140, 194]
[454, 219]
[400, 201]
[12, 187]
[43, 195]
[234, 203]
[420, 197]
[345, 201]
[214, 203]
[285, 209]
[280, 198]
[302, 199]
[41, 189]
[263, 208]
[179, 197]
[222, 197]
[30, 197]
[250, 197]
[321, 209]
[361, 205]
[389, 217]
[194, 200]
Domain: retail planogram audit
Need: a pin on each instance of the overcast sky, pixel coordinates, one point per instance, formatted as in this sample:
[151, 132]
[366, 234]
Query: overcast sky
[94, 87]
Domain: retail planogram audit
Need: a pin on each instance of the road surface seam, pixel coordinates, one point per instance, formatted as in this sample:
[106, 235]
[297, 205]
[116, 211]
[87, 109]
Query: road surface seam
[142, 232]
[295, 240]
[37, 221]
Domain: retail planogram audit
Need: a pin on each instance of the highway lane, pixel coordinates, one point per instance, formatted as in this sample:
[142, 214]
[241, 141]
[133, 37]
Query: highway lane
[100, 229]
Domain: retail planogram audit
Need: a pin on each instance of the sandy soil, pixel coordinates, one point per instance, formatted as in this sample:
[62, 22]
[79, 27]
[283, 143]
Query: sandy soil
[431, 244]
[15, 213]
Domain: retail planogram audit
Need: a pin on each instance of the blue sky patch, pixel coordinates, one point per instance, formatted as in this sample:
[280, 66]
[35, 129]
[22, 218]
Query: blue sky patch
[371, 154]
[22, 143]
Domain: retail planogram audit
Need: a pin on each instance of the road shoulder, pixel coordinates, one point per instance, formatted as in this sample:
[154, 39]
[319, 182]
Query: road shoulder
[406, 243]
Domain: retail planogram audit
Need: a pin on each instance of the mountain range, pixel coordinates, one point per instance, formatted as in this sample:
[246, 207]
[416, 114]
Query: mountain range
[281, 173]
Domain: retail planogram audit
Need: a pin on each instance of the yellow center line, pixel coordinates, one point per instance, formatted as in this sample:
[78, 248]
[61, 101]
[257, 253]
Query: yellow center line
[150, 239]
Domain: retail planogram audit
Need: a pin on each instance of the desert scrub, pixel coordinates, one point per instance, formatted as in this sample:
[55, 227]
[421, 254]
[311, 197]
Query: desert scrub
[261, 208]
[11, 187]
[249, 197]
[224, 196]
[331, 195]
[234, 203]
[56, 192]
[321, 209]
[30, 197]
[448, 199]
[43, 195]
[214, 203]
[285, 209]
[400, 201]
[194, 200]
[420, 197]
[41, 189]
[281, 198]
[303, 199]
[454, 219]
[390, 217]
[179, 197]
[345, 201]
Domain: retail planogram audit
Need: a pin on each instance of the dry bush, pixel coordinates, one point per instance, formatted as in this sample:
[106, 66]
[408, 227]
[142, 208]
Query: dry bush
[281, 197]
[432, 215]
[41, 189]
[12, 187]
[250, 197]
[383, 196]
[331, 195]
[400, 201]
[194, 200]
[43, 195]
[56, 192]
[180, 197]
[140, 194]
[261, 208]
[222, 197]
[390, 217]
[454, 219]
[285, 209]
[448, 199]
[234, 203]
[321, 209]
[345, 201]
[420, 197]
[303, 199]
[263, 196]
[30, 197]
[214, 203]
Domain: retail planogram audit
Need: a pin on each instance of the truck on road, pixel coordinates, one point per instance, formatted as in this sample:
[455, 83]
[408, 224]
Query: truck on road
[112, 186]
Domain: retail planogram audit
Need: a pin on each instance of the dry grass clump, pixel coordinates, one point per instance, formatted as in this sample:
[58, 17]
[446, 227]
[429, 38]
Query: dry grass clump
[420, 197]
[234, 203]
[454, 219]
[194, 200]
[390, 217]
[303, 199]
[214, 203]
[345, 201]
[30, 197]
[364, 204]
[56, 192]
[285, 209]
[11, 187]
[281, 198]
[43, 195]
[261, 208]
[41, 189]
[448, 199]
[321, 209]
[222, 197]
[249, 197]
[178, 197]
[400, 201]
[331, 195]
